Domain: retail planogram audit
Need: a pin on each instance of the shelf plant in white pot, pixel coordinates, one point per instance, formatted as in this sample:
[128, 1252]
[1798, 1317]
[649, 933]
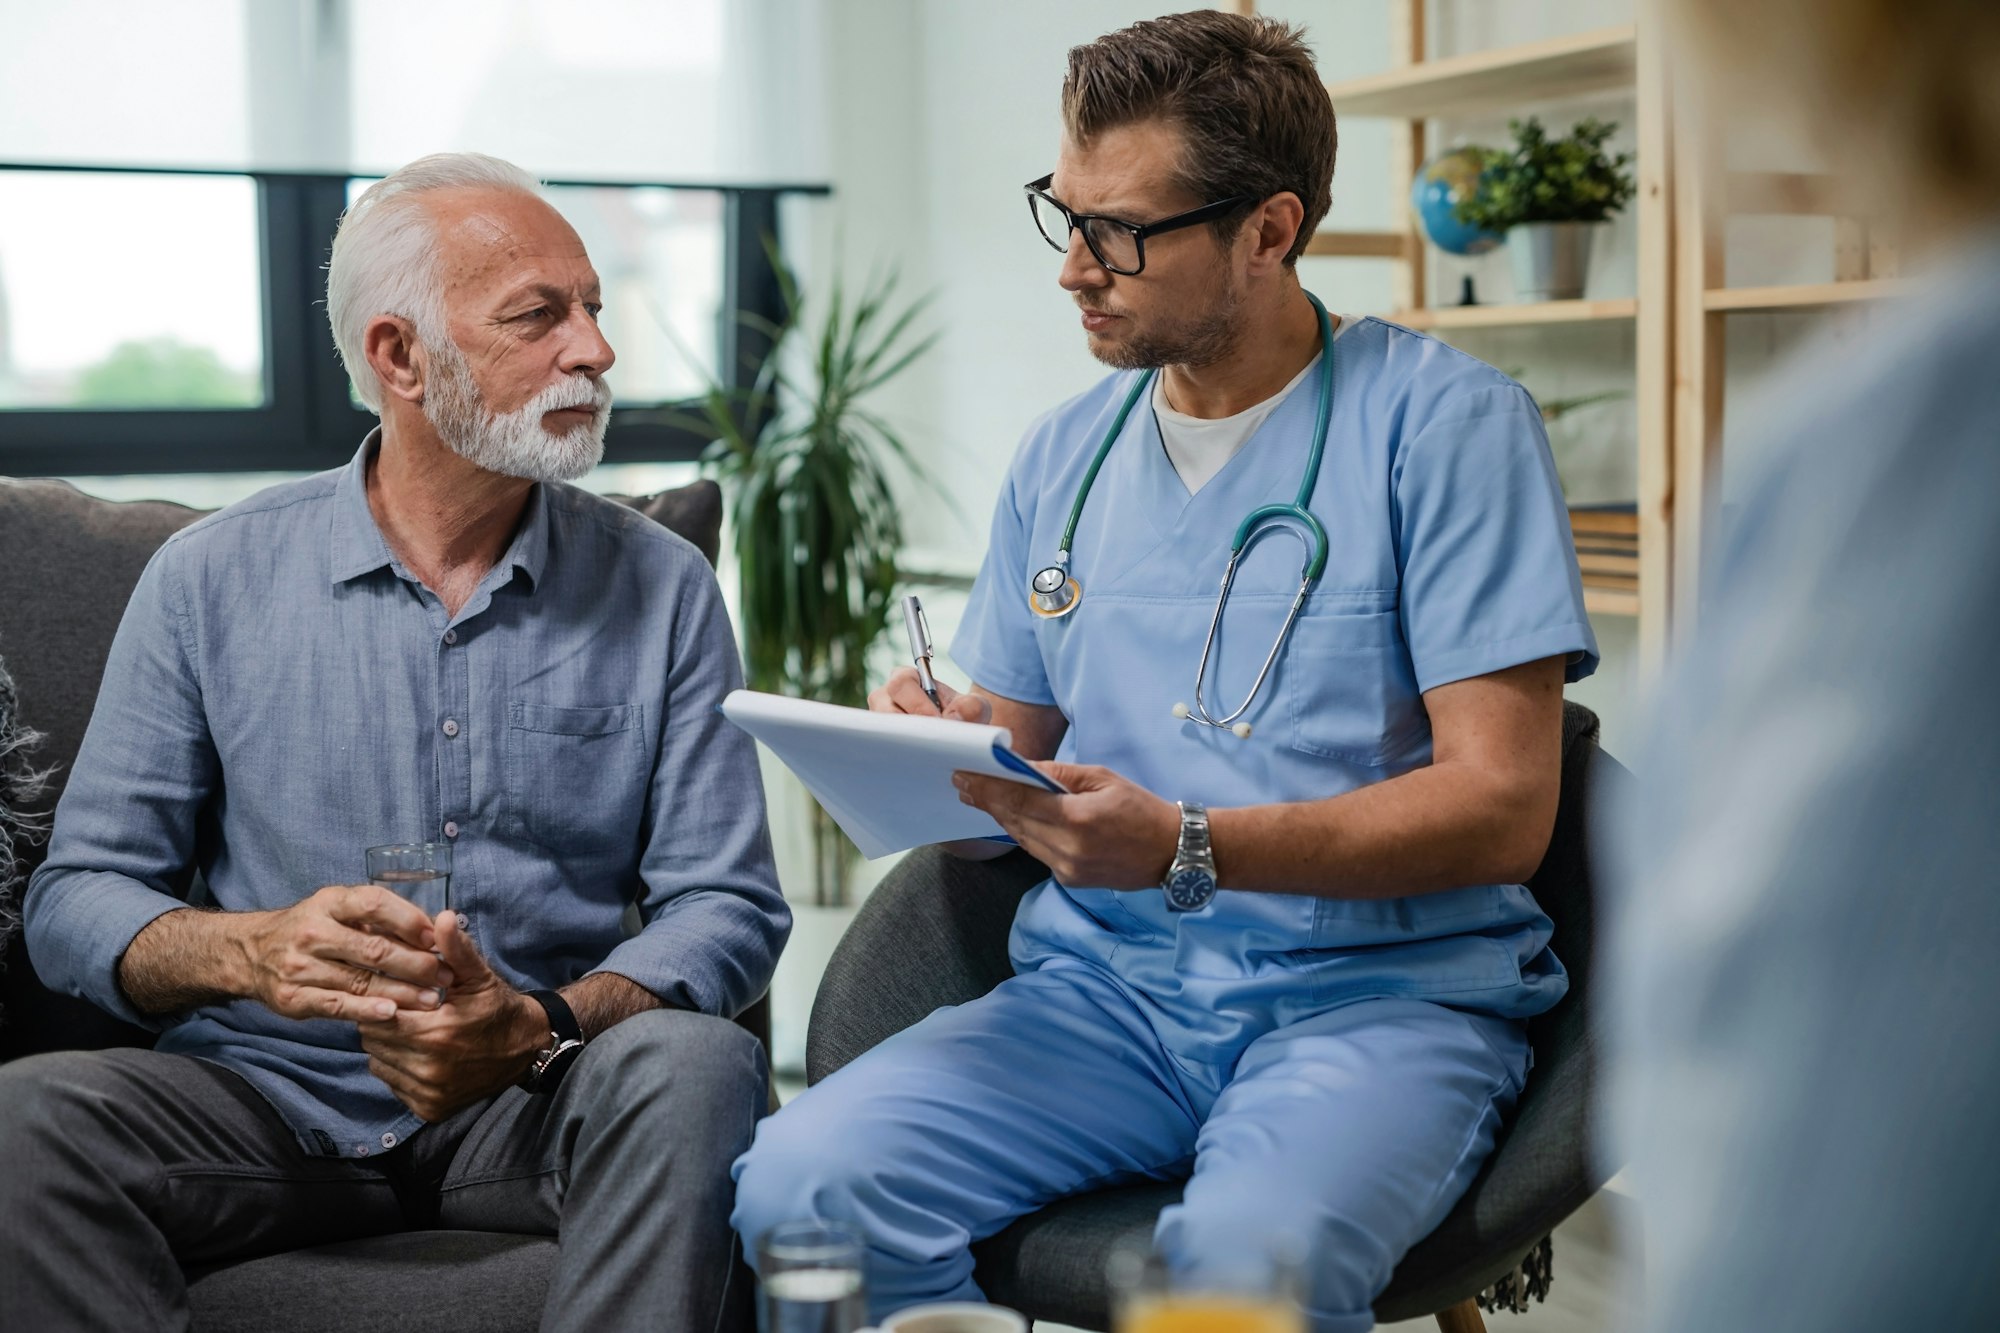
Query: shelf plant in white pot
[1549, 196]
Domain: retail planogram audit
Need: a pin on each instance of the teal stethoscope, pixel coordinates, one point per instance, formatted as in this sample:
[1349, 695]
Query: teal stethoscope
[1054, 592]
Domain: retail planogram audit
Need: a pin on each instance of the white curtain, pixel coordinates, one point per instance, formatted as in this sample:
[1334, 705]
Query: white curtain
[681, 90]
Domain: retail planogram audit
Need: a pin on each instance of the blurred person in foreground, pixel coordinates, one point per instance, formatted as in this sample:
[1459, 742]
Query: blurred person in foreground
[440, 640]
[1809, 937]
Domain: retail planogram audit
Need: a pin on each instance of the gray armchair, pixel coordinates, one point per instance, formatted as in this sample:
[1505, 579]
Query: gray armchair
[944, 923]
[70, 563]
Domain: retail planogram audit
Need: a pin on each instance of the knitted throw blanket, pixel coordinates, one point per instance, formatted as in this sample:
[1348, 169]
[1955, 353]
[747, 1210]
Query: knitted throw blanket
[19, 783]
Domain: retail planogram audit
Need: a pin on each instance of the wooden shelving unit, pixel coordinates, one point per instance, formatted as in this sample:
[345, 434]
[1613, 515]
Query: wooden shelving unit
[1511, 316]
[1514, 79]
[1611, 602]
[1706, 195]
[1684, 302]
[1800, 297]
[1591, 62]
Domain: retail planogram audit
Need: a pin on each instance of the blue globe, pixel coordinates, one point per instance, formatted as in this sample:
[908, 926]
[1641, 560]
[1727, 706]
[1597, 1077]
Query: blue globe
[1434, 196]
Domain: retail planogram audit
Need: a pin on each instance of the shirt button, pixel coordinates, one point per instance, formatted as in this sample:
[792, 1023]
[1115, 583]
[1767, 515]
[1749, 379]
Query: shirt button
[450, 828]
[450, 727]
[451, 636]
[360, 1150]
[388, 1140]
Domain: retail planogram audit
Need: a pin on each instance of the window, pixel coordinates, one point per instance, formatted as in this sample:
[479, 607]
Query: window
[128, 290]
[661, 257]
[174, 321]
[163, 237]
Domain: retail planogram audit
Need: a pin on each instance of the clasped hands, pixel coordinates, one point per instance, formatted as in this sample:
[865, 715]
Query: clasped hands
[440, 1028]
[1107, 832]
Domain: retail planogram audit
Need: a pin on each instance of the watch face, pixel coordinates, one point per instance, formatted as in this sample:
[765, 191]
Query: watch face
[1189, 890]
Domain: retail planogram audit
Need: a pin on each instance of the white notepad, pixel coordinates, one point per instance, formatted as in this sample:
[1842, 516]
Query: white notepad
[884, 777]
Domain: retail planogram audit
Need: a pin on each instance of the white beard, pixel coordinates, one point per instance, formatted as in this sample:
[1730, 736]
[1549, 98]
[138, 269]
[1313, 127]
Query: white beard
[515, 444]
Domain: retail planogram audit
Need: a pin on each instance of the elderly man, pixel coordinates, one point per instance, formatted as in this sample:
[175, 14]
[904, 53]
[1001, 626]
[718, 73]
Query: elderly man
[440, 641]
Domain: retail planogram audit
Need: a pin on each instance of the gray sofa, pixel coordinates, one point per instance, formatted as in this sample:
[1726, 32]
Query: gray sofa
[71, 562]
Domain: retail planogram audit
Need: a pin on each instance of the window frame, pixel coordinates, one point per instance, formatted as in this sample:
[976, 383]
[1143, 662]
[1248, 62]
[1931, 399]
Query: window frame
[308, 421]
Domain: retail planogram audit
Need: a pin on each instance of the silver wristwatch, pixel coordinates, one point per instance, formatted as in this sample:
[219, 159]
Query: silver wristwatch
[1190, 881]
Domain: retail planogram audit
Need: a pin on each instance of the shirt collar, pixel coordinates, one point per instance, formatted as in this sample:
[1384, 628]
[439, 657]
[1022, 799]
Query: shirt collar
[358, 546]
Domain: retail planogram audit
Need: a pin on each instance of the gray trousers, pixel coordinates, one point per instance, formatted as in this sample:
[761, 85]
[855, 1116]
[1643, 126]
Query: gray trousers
[118, 1168]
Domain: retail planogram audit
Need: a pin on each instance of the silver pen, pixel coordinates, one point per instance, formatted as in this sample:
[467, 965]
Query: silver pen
[920, 646]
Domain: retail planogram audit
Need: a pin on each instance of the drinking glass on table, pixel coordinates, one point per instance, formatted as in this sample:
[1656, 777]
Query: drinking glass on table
[418, 871]
[1258, 1292]
[813, 1279]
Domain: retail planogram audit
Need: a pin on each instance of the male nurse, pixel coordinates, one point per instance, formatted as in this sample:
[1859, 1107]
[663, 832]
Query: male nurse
[1296, 962]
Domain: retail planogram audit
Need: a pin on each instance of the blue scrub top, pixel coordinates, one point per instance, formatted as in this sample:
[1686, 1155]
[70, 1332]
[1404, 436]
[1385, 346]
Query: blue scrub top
[1450, 557]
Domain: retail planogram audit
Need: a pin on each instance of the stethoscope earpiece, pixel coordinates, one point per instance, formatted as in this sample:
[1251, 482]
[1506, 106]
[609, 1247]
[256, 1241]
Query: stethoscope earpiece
[1240, 730]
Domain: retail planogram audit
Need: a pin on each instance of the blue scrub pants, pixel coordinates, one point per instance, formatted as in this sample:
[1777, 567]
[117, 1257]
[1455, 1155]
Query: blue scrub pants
[1357, 1128]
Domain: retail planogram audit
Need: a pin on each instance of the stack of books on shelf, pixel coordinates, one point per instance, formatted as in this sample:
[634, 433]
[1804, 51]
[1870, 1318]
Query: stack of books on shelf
[1607, 546]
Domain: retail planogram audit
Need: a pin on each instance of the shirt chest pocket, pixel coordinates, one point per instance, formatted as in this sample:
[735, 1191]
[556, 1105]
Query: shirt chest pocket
[1351, 690]
[576, 777]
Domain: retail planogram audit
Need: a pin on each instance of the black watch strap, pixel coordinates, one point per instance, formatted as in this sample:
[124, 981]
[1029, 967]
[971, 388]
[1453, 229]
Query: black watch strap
[565, 1044]
[562, 1018]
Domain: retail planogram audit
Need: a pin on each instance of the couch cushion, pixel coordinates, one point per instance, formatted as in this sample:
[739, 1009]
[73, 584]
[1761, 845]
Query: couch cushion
[70, 563]
[693, 510]
[433, 1280]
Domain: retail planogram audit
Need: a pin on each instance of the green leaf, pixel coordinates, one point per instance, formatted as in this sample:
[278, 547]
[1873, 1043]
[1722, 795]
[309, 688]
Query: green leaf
[805, 461]
[1542, 180]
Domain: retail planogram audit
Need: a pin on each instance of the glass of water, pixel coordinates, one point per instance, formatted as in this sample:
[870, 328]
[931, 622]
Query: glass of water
[813, 1280]
[418, 871]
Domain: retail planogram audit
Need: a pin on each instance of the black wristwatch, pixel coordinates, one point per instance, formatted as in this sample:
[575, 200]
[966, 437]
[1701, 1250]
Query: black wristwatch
[565, 1044]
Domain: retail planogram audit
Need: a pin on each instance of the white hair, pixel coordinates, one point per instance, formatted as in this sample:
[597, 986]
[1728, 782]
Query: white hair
[385, 255]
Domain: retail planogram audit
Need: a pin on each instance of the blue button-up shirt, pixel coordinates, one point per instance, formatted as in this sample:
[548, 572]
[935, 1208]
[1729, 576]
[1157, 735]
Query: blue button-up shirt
[283, 693]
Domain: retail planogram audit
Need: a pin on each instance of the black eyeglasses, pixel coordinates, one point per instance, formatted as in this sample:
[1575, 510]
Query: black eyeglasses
[1118, 245]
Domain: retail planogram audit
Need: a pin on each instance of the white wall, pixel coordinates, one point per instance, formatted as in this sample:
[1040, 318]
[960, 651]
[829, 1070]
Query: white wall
[939, 113]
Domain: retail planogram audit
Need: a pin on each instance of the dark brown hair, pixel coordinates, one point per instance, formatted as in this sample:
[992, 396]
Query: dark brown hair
[1253, 115]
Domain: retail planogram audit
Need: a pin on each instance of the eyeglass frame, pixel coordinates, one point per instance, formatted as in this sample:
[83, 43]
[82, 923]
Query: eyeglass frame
[1039, 189]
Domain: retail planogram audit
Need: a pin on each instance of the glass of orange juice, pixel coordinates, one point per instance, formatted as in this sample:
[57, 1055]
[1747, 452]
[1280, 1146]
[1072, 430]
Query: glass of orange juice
[1251, 1293]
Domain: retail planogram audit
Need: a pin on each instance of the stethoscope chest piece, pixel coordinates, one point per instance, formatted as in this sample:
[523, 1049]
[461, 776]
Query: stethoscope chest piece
[1052, 593]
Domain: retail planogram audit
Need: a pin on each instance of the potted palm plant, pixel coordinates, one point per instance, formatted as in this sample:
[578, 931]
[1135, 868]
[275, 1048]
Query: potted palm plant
[1548, 196]
[804, 461]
